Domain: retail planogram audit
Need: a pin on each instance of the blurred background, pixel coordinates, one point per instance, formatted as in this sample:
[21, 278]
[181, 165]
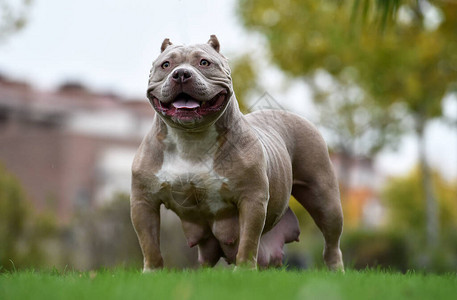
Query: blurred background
[379, 78]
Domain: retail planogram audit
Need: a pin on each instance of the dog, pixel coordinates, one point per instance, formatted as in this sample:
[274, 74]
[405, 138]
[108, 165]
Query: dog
[226, 175]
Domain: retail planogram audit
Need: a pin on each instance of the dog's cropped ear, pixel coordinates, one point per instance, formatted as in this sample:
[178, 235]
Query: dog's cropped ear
[214, 42]
[166, 42]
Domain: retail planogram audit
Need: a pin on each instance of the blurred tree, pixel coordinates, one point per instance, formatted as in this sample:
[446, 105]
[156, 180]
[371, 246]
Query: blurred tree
[359, 127]
[415, 64]
[104, 236]
[244, 79]
[362, 126]
[13, 216]
[382, 13]
[13, 16]
[24, 234]
[385, 12]
[412, 64]
[404, 199]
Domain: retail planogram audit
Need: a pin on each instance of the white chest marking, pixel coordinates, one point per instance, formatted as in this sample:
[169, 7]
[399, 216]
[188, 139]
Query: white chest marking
[187, 176]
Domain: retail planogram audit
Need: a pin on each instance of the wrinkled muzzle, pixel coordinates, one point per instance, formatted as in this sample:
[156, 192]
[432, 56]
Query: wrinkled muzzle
[186, 96]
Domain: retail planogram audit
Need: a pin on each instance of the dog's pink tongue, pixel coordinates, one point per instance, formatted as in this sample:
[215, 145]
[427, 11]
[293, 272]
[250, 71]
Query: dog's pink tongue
[186, 103]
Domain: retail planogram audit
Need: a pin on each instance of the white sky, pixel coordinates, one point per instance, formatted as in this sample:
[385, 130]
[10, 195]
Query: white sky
[109, 46]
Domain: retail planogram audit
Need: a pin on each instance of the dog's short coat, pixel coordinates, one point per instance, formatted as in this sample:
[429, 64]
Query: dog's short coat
[228, 176]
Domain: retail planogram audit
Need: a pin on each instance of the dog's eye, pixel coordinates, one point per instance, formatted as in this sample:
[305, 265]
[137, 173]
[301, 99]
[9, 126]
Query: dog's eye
[165, 65]
[204, 63]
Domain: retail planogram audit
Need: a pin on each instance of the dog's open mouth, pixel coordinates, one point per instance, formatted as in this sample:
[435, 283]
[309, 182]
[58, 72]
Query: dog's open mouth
[184, 106]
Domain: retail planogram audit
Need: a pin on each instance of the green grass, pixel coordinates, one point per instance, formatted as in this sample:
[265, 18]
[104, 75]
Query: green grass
[225, 284]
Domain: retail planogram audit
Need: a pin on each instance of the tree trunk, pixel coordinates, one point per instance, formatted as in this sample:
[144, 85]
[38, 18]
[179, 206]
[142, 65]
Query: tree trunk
[345, 175]
[431, 205]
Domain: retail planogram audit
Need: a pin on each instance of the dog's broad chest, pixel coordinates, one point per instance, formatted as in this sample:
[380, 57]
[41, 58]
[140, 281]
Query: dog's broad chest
[187, 180]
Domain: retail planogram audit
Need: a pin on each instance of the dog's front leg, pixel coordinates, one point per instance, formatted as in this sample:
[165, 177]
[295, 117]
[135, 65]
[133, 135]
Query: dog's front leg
[252, 213]
[146, 221]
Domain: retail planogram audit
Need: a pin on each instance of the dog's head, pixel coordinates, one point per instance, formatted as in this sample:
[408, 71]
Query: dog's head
[190, 86]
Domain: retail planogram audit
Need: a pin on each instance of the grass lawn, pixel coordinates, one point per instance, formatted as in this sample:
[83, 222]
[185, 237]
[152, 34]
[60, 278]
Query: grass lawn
[222, 284]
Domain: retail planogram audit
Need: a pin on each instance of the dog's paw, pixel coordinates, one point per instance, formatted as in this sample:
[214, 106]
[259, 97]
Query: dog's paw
[334, 260]
[245, 267]
[149, 270]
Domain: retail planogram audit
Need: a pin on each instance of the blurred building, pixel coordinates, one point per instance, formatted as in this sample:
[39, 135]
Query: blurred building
[359, 187]
[70, 148]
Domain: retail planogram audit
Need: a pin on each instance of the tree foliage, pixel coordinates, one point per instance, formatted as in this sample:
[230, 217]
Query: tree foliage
[13, 16]
[23, 232]
[413, 62]
[404, 199]
[244, 79]
[359, 125]
[13, 216]
[309, 38]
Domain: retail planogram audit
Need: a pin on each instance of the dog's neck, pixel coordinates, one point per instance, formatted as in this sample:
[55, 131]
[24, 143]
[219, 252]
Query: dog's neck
[232, 116]
[194, 143]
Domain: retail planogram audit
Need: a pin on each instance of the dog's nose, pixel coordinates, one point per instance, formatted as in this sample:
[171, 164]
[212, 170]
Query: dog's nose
[181, 75]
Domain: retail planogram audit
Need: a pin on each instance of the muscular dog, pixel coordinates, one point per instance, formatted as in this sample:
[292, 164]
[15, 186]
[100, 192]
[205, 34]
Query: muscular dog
[228, 176]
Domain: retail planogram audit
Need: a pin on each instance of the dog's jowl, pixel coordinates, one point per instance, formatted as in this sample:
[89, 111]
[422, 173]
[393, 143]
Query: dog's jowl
[228, 176]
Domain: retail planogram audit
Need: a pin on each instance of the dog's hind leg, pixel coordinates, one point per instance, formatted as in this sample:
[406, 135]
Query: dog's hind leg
[321, 199]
